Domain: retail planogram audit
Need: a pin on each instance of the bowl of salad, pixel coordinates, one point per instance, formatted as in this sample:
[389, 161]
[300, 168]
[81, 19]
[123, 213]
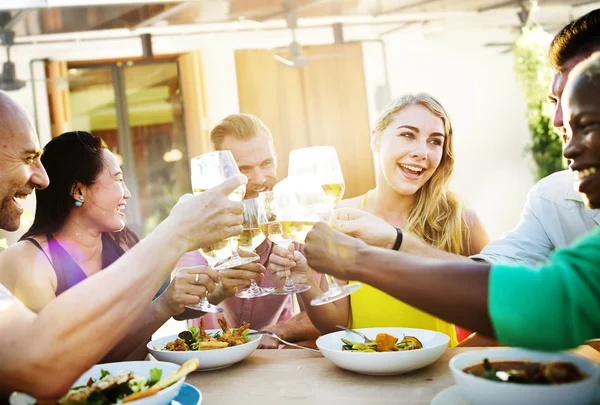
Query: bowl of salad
[214, 348]
[134, 382]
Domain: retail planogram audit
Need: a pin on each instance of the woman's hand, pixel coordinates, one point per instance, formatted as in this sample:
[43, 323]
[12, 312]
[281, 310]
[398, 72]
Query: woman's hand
[365, 226]
[331, 252]
[283, 260]
[186, 288]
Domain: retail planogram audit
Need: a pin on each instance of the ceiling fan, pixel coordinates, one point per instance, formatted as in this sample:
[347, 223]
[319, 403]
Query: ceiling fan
[293, 55]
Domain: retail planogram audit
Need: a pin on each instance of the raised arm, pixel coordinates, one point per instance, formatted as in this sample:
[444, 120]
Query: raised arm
[44, 354]
[497, 302]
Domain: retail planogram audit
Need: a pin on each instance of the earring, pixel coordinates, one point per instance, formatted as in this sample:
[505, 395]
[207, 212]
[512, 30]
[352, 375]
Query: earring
[80, 202]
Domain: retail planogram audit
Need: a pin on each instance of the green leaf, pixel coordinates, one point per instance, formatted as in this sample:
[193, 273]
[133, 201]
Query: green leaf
[534, 75]
[195, 331]
[104, 373]
[155, 376]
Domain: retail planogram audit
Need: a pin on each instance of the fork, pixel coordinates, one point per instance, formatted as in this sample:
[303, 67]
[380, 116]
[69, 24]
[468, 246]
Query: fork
[366, 339]
[285, 342]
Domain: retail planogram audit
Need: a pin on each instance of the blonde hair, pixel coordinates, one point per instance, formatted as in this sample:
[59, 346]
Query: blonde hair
[240, 126]
[438, 215]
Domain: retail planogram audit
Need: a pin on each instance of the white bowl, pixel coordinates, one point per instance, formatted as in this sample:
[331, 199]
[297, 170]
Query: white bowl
[139, 368]
[384, 363]
[209, 359]
[479, 391]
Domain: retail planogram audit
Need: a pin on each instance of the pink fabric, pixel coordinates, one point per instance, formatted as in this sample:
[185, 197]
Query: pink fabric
[259, 312]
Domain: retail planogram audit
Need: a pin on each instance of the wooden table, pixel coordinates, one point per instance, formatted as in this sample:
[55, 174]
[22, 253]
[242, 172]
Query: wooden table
[282, 377]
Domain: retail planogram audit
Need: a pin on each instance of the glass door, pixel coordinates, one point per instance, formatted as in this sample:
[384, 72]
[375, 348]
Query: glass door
[136, 108]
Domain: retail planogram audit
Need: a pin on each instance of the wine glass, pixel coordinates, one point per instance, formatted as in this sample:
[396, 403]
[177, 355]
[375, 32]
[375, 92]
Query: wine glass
[274, 230]
[323, 163]
[209, 170]
[250, 238]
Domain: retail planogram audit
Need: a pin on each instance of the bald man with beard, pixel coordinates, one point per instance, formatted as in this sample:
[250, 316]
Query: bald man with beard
[95, 307]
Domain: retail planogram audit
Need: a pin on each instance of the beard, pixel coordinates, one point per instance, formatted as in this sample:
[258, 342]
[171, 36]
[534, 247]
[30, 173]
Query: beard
[10, 216]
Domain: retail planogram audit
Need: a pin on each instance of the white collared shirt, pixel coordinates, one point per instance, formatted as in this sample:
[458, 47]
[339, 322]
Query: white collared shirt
[553, 217]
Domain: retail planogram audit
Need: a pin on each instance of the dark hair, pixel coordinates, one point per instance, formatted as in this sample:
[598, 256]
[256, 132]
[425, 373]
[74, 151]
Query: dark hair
[69, 158]
[581, 37]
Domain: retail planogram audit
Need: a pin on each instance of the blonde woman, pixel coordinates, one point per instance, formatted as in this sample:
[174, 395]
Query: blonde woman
[413, 137]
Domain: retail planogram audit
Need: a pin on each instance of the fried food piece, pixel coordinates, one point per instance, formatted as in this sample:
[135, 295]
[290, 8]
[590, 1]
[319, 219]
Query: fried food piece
[226, 331]
[241, 329]
[211, 345]
[385, 342]
[102, 384]
[411, 343]
[185, 369]
[202, 335]
[178, 345]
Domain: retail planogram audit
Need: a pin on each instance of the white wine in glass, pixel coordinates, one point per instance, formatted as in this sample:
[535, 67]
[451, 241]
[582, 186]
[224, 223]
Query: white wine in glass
[251, 238]
[274, 231]
[323, 163]
[209, 170]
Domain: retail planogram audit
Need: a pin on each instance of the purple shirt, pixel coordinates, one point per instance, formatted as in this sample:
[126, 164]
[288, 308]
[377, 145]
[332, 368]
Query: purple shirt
[259, 312]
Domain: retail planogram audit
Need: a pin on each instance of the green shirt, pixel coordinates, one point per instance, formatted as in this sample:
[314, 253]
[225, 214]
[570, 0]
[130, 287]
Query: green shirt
[555, 306]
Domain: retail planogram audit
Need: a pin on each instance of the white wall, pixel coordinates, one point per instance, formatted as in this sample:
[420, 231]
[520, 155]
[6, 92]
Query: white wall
[477, 86]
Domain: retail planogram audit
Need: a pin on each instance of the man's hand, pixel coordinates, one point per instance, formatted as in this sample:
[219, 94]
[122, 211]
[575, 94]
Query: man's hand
[331, 252]
[184, 290]
[365, 226]
[237, 278]
[202, 220]
[283, 260]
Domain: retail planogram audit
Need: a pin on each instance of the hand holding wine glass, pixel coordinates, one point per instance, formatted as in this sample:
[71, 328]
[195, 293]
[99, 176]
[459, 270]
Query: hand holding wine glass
[365, 226]
[209, 170]
[283, 260]
[272, 226]
[323, 163]
[250, 238]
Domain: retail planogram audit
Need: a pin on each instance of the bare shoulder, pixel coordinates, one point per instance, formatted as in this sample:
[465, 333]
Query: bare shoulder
[355, 203]
[471, 217]
[23, 259]
[478, 237]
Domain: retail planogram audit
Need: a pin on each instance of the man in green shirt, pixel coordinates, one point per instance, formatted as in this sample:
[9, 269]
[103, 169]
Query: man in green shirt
[551, 307]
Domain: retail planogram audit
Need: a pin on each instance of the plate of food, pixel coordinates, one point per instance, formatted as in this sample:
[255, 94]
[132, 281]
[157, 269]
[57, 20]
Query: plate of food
[508, 375]
[392, 351]
[214, 348]
[131, 382]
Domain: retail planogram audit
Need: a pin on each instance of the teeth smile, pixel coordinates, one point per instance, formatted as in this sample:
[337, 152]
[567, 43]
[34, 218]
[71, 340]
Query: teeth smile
[412, 168]
[586, 172]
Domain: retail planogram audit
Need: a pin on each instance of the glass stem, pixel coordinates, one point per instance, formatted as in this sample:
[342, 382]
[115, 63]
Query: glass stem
[204, 301]
[234, 253]
[333, 285]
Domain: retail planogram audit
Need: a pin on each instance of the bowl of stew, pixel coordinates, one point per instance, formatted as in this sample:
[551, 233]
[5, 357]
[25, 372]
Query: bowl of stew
[516, 376]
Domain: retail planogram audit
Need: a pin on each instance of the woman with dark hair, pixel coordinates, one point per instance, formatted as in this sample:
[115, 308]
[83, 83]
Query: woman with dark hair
[79, 229]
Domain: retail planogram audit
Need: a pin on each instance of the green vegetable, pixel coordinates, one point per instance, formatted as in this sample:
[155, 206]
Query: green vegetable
[245, 335]
[104, 373]
[155, 376]
[195, 331]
